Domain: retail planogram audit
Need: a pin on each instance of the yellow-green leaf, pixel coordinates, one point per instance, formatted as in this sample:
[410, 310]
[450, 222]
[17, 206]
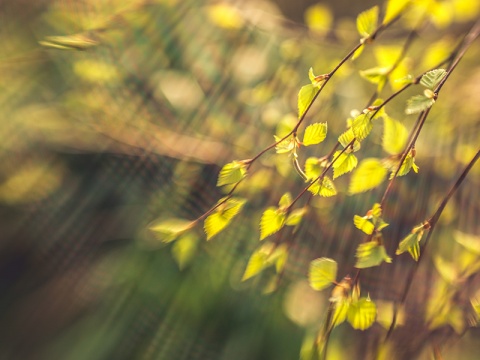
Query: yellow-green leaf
[315, 134]
[340, 312]
[272, 221]
[394, 8]
[432, 78]
[316, 80]
[345, 163]
[446, 269]
[363, 224]
[218, 220]
[358, 52]
[468, 241]
[184, 249]
[410, 243]
[295, 217]
[347, 137]
[69, 42]
[371, 254]
[367, 22]
[362, 126]
[312, 168]
[395, 136]
[418, 103]
[376, 75]
[305, 98]
[168, 230]
[326, 190]
[232, 173]
[322, 273]
[369, 174]
[285, 200]
[284, 146]
[362, 313]
[267, 255]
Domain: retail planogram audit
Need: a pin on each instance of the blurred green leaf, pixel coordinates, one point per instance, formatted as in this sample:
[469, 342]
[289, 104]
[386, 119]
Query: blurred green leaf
[223, 215]
[362, 223]
[418, 103]
[327, 188]
[432, 78]
[369, 174]
[362, 313]
[272, 221]
[322, 273]
[371, 254]
[305, 98]
[232, 173]
[367, 22]
[395, 136]
[184, 249]
[169, 230]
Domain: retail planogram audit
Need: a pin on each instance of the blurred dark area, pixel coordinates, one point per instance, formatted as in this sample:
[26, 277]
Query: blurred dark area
[131, 121]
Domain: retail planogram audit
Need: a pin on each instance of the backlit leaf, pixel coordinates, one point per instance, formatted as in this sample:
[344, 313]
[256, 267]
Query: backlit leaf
[315, 134]
[358, 52]
[410, 243]
[340, 313]
[170, 229]
[344, 164]
[326, 190]
[272, 221]
[184, 249]
[265, 256]
[69, 42]
[217, 221]
[369, 174]
[285, 146]
[418, 103]
[305, 97]
[395, 136]
[322, 273]
[371, 254]
[363, 224]
[376, 75]
[394, 8]
[312, 168]
[367, 22]
[362, 126]
[432, 78]
[347, 137]
[232, 173]
[295, 217]
[446, 269]
[362, 313]
[285, 200]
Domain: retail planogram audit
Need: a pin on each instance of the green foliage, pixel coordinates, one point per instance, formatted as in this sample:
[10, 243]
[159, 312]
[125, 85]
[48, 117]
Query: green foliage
[394, 8]
[371, 254]
[418, 103]
[322, 273]
[295, 216]
[285, 146]
[315, 134]
[362, 126]
[376, 75]
[170, 229]
[313, 168]
[363, 224]
[318, 80]
[345, 163]
[222, 216]
[411, 243]
[327, 188]
[395, 136]
[369, 174]
[232, 173]
[71, 42]
[362, 313]
[367, 22]
[347, 137]
[273, 219]
[264, 257]
[432, 78]
[407, 165]
[184, 249]
[305, 98]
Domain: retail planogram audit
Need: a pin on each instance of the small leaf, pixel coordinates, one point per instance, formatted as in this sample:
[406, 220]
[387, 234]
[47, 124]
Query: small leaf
[184, 249]
[418, 103]
[305, 98]
[362, 223]
[69, 42]
[315, 134]
[326, 190]
[285, 146]
[369, 174]
[347, 137]
[295, 217]
[312, 168]
[407, 165]
[232, 173]
[358, 52]
[265, 256]
[432, 78]
[367, 22]
[362, 313]
[220, 219]
[361, 126]
[169, 230]
[322, 273]
[395, 136]
[340, 313]
[344, 164]
[316, 80]
[285, 200]
[371, 254]
[376, 75]
[394, 8]
[410, 244]
[272, 221]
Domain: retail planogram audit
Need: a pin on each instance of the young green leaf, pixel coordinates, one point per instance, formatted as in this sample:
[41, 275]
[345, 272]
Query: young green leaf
[418, 103]
[232, 173]
[407, 165]
[322, 273]
[395, 136]
[469, 241]
[361, 126]
[367, 22]
[432, 78]
[362, 223]
[272, 221]
[358, 52]
[410, 244]
[340, 312]
[305, 98]
[285, 200]
[371, 254]
[184, 249]
[285, 146]
[220, 219]
[295, 217]
[376, 75]
[315, 134]
[169, 230]
[312, 168]
[265, 256]
[369, 174]
[345, 163]
[347, 137]
[326, 190]
[316, 80]
[394, 8]
[362, 313]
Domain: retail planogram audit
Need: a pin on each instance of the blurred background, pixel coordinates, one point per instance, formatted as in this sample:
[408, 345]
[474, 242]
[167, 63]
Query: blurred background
[130, 118]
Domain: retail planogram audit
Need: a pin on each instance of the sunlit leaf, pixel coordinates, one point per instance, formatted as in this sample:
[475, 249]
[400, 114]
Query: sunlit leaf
[184, 249]
[265, 256]
[367, 22]
[284, 146]
[220, 219]
[395, 136]
[322, 273]
[369, 174]
[312, 168]
[376, 75]
[316, 80]
[432, 78]
[468, 241]
[362, 313]
[326, 190]
[363, 224]
[418, 103]
[285, 200]
[347, 137]
[305, 98]
[394, 8]
[225, 16]
[272, 221]
[407, 165]
[358, 52]
[315, 134]
[362, 126]
[340, 312]
[446, 269]
[69, 42]
[410, 243]
[168, 230]
[232, 173]
[345, 163]
[295, 217]
[371, 254]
